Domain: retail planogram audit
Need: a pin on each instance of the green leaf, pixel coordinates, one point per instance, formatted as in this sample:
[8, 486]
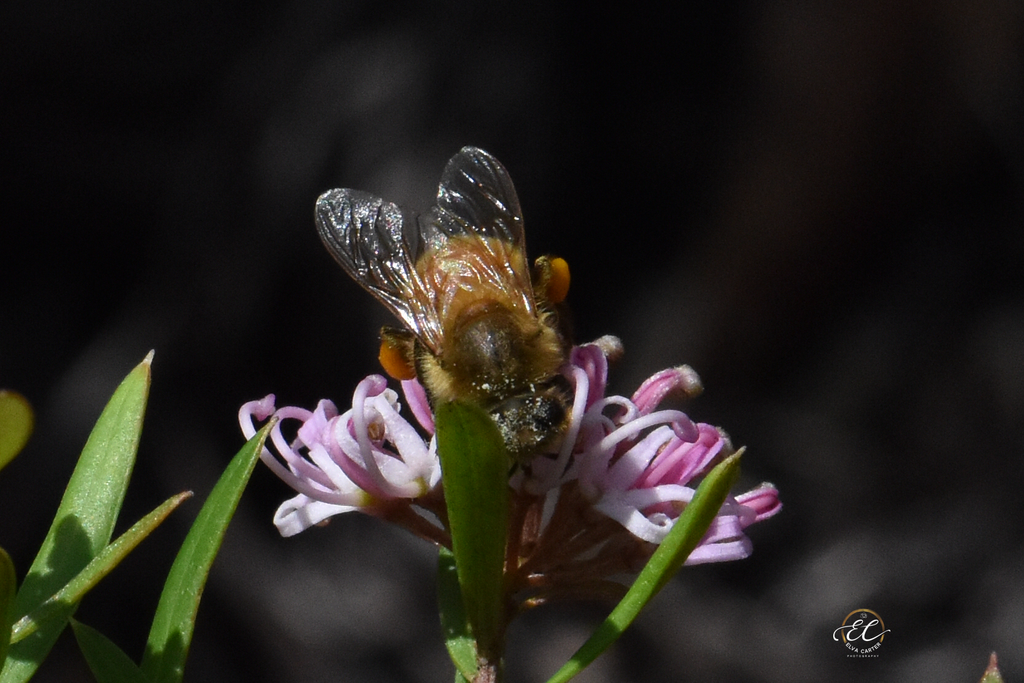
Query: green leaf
[108, 662]
[992, 674]
[86, 515]
[8, 587]
[15, 425]
[457, 636]
[60, 605]
[686, 533]
[171, 632]
[474, 470]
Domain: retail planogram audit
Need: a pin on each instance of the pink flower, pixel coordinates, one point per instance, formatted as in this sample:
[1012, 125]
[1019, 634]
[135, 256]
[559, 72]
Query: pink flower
[640, 466]
[622, 457]
[361, 460]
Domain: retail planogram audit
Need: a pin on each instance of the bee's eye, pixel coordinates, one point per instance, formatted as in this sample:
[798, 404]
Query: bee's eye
[558, 282]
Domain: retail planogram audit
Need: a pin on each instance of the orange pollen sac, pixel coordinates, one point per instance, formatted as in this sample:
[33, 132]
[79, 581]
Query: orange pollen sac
[394, 361]
[558, 285]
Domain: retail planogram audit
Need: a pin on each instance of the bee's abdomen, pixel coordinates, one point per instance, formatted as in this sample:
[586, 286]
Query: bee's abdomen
[493, 353]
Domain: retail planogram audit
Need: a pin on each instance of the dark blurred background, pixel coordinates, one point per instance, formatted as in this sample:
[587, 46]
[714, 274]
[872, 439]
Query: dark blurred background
[818, 206]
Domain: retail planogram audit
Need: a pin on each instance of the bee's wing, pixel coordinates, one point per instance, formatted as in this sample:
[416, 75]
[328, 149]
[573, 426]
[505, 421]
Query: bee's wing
[373, 241]
[476, 199]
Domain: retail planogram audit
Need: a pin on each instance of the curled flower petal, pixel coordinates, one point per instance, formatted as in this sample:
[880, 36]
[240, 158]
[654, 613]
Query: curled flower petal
[763, 500]
[301, 512]
[652, 529]
[654, 390]
[416, 456]
[682, 460]
[590, 358]
[416, 397]
[255, 411]
[370, 387]
[704, 553]
[631, 465]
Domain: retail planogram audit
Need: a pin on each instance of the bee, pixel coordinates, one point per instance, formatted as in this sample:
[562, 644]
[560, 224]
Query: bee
[480, 325]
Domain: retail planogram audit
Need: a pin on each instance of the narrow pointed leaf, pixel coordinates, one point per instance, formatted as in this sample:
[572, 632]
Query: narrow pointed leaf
[60, 605]
[173, 623]
[8, 588]
[85, 518]
[686, 533]
[16, 420]
[992, 674]
[474, 471]
[457, 636]
[107, 662]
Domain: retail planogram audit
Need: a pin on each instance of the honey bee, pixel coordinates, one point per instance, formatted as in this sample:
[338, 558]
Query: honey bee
[481, 326]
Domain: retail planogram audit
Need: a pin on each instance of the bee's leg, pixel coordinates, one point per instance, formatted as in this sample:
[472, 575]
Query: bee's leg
[397, 352]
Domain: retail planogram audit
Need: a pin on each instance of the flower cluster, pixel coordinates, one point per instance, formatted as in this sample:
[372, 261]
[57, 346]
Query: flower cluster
[369, 458]
[622, 458]
[639, 465]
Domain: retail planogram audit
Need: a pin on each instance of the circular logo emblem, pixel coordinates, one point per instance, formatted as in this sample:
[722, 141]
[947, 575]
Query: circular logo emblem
[862, 633]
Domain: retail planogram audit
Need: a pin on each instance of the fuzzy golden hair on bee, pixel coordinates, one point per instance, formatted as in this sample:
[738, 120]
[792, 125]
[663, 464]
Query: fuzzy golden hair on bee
[480, 325]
